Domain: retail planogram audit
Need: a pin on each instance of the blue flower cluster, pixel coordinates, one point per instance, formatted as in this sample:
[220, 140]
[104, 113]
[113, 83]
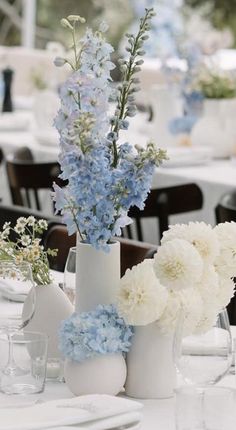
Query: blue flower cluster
[98, 332]
[104, 179]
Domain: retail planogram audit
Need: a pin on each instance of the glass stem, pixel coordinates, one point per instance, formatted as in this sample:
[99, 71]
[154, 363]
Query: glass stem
[202, 409]
[11, 365]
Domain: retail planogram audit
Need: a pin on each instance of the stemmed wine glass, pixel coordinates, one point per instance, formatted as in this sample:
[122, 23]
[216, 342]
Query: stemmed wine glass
[16, 282]
[203, 359]
[70, 275]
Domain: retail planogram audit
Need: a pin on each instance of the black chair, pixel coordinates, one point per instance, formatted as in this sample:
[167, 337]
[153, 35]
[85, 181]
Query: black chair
[226, 208]
[12, 213]
[24, 176]
[132, 252]
[163, 202]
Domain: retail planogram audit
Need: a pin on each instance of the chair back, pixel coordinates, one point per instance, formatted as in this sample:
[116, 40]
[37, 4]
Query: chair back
[132, 252]
[12, 213]
[163, 202]
[226, 209]
[24, 176]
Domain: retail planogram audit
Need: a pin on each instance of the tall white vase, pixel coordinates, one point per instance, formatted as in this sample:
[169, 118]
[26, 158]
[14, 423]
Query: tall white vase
[150, 368]
[97, 276]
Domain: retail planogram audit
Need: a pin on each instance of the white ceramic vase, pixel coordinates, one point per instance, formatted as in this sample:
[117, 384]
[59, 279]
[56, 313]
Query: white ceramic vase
[167, 105]
[97, 276]
[150, 368]
[216, 127]
[104, 374]
[52, 306]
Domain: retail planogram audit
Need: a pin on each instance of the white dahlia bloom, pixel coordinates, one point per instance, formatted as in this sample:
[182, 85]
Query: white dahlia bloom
[141, 299]
[226, 261]
[177, 264]
[199, 234]
[189, 303]
[208, 285]
[207, 320]
[225, 292]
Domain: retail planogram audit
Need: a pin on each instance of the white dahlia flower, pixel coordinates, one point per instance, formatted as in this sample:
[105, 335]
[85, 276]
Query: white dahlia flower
[225, 292]
[178, 264]
[141, 299]
[207, 320]
[226, 261]
[208, 285]
[199, 234]
[187, 302]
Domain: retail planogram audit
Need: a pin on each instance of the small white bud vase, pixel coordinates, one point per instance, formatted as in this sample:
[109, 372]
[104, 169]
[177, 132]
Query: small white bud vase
[97, 276]
[104, 374]
[150, 368]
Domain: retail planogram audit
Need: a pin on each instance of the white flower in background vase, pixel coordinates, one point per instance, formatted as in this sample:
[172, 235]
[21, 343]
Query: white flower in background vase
[178, 264]
[142, 299]
[199, 234]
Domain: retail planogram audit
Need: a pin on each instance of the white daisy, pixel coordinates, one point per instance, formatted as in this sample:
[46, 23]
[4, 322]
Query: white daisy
[142, 299]
[225, 291]
[43, 224]
[178, 264]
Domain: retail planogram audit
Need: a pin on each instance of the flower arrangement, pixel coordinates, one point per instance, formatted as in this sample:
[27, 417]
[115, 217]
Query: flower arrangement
[105, 175]
[101, 331]
[192, 270]
[27, 247]
[215, 84]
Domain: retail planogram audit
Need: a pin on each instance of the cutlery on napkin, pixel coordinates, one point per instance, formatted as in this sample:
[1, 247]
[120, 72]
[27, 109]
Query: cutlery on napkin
[90, 412]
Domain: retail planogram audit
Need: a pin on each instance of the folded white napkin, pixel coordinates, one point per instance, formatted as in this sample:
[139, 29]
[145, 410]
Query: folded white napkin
[90, 412]
[14, 286]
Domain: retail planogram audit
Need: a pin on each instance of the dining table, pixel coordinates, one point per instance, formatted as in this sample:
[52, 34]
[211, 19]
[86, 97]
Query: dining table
[156, 413]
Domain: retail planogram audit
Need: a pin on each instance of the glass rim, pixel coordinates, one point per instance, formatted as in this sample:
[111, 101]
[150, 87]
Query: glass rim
[41, 336]
[196, 388]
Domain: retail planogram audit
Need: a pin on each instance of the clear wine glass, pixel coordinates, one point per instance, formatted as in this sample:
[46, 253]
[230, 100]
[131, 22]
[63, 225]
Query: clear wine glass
[203, 359]
[16, 282]
[70, 275]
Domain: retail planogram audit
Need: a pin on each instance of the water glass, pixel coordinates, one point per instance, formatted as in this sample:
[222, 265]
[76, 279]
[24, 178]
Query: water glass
[70, 275]
[213, 409]
[25, 374]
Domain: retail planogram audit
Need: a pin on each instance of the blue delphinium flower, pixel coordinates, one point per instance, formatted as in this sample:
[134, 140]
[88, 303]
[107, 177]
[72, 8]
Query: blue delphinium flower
[105, 178]
[94, 333]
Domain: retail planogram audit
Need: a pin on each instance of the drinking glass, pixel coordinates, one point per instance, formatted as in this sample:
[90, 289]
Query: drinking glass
[70, 274]
[203, 359]
[30, 357]
[16, 282]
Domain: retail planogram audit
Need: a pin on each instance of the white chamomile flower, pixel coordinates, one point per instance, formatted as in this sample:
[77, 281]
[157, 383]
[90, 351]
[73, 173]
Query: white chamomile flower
[19, 228]
[199, 234]
[141, 299]
[6, 225]
[31, 221]
[25, 240]
[43, 224]
[21, 221]
[178, 264]
[5, 233]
